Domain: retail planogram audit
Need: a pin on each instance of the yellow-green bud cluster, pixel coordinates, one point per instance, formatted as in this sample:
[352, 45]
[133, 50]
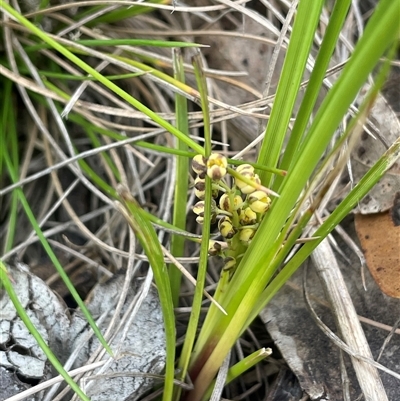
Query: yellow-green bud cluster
[215, 167]
[241, 207]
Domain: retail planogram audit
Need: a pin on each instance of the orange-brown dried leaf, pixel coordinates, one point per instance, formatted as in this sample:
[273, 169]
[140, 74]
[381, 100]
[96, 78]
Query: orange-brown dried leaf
[380, 240]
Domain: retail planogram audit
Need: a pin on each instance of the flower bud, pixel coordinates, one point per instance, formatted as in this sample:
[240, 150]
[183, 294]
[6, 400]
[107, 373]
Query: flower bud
[225, 202]
[237, 202]
[214, 248]
[247, 217]
[199, 165]
[198, 208]
[200, 194]
[246, 188]
[216, 166]
[247, 171]
[200, 219]
[200, 183]
[259, 202]
[200, 187]
[226, 228]
[246, 235]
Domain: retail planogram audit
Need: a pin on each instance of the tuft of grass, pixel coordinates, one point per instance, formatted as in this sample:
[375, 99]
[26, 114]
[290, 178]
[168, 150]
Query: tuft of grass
[119, 147]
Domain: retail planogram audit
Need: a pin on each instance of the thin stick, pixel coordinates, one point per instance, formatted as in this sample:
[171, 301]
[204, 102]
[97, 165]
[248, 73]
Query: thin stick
[347, 321]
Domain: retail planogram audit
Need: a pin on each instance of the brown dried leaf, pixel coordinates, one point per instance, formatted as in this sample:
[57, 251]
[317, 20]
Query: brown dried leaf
[379, 235]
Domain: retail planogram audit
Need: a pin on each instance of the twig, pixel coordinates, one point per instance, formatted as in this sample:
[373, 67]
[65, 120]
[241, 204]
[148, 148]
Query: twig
[347, 321]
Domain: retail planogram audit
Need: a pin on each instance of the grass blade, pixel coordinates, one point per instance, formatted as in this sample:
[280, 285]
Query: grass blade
[300, 43]
[328, 44]
[147, 237]
[206, 228]
[181, 181]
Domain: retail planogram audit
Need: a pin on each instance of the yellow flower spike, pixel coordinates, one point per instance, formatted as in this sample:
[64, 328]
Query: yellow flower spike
[216, 166]
[199, 165]
[226, 228]
[247, 217]
[259, 202]
[246, 235]
[214, 248]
